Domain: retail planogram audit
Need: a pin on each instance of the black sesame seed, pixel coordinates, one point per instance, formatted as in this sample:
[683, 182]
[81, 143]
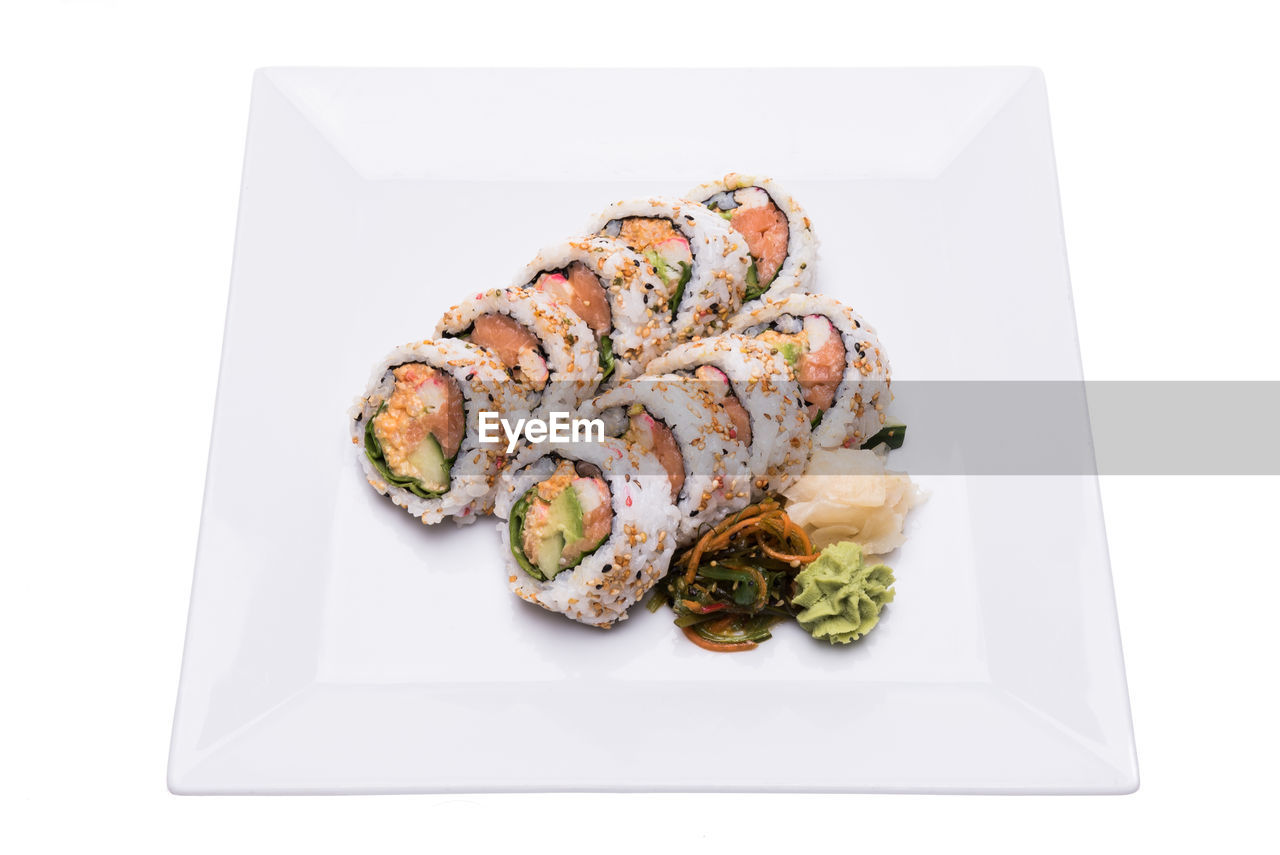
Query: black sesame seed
[606, 569]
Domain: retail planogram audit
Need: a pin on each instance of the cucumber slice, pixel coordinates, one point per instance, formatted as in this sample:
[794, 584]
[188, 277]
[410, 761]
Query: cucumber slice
[429, 459]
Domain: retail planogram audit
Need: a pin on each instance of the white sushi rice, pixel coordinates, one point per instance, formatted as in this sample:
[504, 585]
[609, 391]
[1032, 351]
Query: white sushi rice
[638, 550]
[720, 260]
[637, 296]
[798, 269]
[474, 474]
[570, 347]
[862, 399]
[715, 465]
[766, 387]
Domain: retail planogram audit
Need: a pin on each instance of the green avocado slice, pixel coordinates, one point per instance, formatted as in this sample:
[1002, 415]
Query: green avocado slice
[566, 514]
[790, 352]
[549, 551]
[563, 526]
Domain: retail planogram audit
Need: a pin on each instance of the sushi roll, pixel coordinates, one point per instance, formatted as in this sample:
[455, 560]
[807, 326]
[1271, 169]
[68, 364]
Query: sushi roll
[693, 438]
[546, 349]
[702, 260]
[760, 396]
[416, 428]
[777, 231]
[588, 527]
[842, 367]
[616, 291]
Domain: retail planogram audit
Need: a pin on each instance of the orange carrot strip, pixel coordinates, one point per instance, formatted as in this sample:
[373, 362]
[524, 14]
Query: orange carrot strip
[717, 646]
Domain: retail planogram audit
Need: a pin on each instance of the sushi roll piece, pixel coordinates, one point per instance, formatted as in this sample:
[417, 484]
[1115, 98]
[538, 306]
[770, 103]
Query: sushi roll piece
[616, 291]
[548, 350]
[760, 396]
[692, 436]
[842, 367]
[416, 428]
[702, 260]
[777, 231]
[588, 527]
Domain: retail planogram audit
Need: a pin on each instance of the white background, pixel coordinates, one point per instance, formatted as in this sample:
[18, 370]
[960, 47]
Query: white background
[121, 133]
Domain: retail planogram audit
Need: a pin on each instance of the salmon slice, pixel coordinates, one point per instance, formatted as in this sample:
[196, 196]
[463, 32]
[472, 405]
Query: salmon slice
[739, 418]
[582, 292]
[597, 517]
[718, 383]
[766, 231]
[654, 435]
[424, 402]
[821, 366]
[515, 346]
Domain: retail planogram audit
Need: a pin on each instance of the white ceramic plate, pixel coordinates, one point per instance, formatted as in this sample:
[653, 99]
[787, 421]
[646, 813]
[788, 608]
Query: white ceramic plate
[335, 645]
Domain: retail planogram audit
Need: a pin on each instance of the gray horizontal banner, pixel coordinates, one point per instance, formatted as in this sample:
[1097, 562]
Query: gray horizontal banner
[1076, 428]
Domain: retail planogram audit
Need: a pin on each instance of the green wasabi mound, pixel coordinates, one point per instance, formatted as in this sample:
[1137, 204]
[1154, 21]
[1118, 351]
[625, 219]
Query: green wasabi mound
[840, 597]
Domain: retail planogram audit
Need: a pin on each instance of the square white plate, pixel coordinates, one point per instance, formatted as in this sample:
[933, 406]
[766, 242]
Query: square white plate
[335, 645]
